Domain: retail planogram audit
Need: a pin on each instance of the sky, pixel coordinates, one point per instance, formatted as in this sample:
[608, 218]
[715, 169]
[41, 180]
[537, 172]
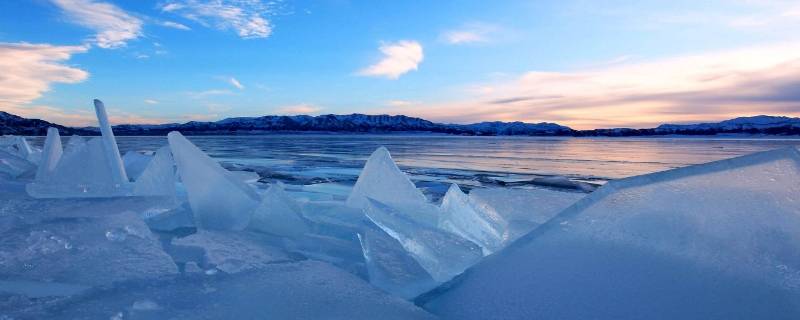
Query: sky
[581, 63]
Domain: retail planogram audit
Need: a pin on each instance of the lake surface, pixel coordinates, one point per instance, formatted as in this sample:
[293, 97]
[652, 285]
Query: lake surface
[311, 159]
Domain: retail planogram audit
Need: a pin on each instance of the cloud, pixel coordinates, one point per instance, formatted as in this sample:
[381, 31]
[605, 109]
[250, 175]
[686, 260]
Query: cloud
[210, 92]
[28, 70]
[710, 86]
[400, 103]
[174, 25]
[303, 108]
[246, 17]
[235, 83]
[150, 101]
[113, 25]
[399, 57]
[469, 33]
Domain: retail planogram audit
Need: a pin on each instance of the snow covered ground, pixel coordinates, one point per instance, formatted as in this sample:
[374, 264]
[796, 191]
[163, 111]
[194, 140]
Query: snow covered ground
[170, 232]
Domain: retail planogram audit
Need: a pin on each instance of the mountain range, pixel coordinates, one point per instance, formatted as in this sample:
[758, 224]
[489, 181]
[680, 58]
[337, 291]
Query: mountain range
[361, 123]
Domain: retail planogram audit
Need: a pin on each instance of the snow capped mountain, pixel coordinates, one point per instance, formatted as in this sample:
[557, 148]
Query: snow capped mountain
[362, 123]
[756, 124]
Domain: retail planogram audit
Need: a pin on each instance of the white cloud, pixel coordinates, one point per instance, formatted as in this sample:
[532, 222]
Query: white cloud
[113, 25]
[399, 58]
[303, 108]
[246, 17]
[28, 70]
[400, 103]
[174, 25]
[470, 33]
[235, 83]
[208, 93]
[150, 101]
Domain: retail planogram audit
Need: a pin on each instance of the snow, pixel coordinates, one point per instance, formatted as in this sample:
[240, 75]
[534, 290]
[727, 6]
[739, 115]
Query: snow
[713, 241]
[51, 154]
[278, 214]
[462, 217]
[218, 199]
[443, 255]
[381, 180]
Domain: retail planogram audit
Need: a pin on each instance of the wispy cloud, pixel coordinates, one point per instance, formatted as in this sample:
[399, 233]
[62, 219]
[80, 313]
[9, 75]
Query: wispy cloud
[28, 70]
[248, 18]
[303, 108]
[114, 26]
[398, 58]
[400, 103]
[208, 93]
[235, 83]
[709, 86]
[470, 33]
[174, 25]
[150, 101]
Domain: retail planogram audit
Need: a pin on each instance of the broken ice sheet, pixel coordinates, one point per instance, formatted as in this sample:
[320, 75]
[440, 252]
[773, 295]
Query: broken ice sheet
[381, 180]
[477, 224]
[712, 241]
[278, 214]
[218, 199]
[391, 268]
[232, 252]
[442, 254]
[522, 210]
[77, 250]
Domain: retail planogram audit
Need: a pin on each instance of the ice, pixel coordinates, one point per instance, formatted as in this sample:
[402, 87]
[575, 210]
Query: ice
[51, 154]
[246, 176]
[521, 209]
[74, 249]
[443, 255]
[158, 177]
[14, 166]
[278, 214]
[19, 147]
[381, 180]
[462, 217]
[135, 162]
[713, 241]
[110, 145]
[232, 252]
[301, 290]
[82, 171]
[391, 268]
[74, 142]
[218, 199]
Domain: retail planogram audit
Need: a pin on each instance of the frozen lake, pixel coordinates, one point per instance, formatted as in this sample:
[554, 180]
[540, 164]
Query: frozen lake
[308, 158]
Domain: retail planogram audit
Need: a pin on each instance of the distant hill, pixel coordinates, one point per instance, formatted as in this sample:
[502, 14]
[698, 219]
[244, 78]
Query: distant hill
[361, 123]
[16, 125]
[355, 123]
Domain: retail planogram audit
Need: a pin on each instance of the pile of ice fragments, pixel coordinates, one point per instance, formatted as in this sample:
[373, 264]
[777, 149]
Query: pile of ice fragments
[87, 233]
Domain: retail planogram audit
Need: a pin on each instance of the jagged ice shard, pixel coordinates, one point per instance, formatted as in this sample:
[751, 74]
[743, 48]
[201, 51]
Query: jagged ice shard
[51, 154]
[278, 214]
[110, 144]
[442, 254]
[712, 241]
[381, 180]
[219, 200]
[158, 177]
[390, 267]
[460, 216]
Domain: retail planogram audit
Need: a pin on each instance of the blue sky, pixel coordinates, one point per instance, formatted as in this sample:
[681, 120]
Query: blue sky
[580, 63]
